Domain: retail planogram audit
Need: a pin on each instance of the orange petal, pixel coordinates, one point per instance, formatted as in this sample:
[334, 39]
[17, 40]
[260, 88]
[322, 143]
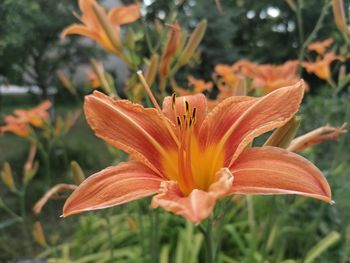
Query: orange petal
[89, 17]
[199, 204]
[136, 130]
[124, 15]
[77, 29]
[272, 170]
[43, 106]
[255, 117]
[197, 101]
[113, 186]
[222, 117]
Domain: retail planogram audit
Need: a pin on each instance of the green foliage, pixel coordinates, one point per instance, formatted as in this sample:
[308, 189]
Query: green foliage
[30, 48]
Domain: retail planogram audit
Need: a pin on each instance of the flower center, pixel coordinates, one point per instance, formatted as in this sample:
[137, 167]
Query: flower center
[195, 166]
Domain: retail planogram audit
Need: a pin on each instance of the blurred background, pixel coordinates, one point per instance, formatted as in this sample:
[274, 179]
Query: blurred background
[37, 64]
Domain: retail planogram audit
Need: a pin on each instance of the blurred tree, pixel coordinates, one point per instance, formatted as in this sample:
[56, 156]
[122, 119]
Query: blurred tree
[30, 47]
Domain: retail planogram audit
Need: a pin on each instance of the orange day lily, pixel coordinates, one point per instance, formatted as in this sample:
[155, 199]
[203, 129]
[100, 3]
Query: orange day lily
[320, 47]
[101, 27]
[35, 116]
[16, 126]
[199, 86]
[321, 67]
[229, 81]
[19, 122]
[229, 74]
[271, 77]
[190, 158]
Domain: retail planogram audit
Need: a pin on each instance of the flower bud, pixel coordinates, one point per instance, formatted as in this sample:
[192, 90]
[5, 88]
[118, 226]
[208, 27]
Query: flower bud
[30, 172]
[77, 172]
[283, 136]
[152, 69]
[339, 16]
[170, 49]
[38, 234]
[192, 44]
[104, 80]
[7, 178]
[316, 137]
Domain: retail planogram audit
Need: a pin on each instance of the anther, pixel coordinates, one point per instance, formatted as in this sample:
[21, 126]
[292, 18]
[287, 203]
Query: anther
[191, 121]
[178, 121]
[194, 113]
[173, 98]
[187, 106]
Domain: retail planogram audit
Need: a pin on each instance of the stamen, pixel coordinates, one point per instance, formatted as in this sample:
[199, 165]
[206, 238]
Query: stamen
[178, 121]
[156, 105]
[194, 114]
[187, 106]
[173, 98]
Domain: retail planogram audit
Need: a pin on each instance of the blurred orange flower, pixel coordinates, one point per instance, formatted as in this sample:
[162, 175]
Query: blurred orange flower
[35, 116]
[270, 77]
[321, 67]
[19, 122]
[102, 27]
[198, 85]
[320, 47]
[93, 79]
[170, 49]
[16, 126]
[228, 74]
[189, 158]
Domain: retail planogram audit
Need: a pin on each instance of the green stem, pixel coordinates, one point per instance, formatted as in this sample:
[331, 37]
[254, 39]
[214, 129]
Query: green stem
[10, 212]
[313, 33]
[46, 161]
[22, 196]
[110, 238]
[252, 228]
[209, 242]
[141, 227]
[300, 22]
[331, 82]
[148, 39]
[341, 143]
[64, 149]
[154, 216]
[168, 20]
